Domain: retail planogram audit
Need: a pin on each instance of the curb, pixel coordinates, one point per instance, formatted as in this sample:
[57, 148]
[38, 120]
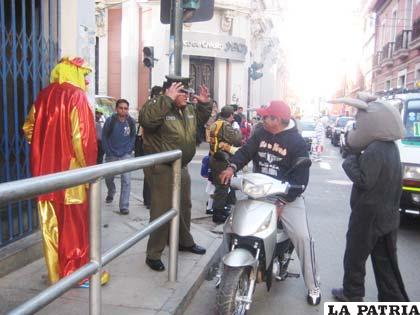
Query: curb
[185, 292]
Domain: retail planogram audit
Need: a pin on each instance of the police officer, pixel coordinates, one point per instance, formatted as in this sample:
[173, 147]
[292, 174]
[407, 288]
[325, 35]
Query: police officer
[169, 123]
[221, 131]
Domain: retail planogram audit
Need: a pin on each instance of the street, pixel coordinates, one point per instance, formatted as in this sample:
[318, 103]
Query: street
[327, 201]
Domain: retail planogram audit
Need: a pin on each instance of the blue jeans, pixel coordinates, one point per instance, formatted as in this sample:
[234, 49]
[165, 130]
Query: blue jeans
[125, 182]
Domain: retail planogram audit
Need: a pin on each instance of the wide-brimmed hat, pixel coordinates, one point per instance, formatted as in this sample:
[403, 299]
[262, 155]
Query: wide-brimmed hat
[276, 108]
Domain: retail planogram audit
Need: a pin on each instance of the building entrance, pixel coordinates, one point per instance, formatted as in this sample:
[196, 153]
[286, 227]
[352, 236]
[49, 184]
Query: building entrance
[202, 72]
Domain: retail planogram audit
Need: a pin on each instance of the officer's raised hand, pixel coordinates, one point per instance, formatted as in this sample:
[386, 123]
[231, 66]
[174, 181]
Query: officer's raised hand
[203, 96]
[174, 90]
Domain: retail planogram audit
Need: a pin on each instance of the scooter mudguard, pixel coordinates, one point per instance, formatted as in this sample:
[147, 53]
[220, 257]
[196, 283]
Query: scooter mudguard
[239, 257]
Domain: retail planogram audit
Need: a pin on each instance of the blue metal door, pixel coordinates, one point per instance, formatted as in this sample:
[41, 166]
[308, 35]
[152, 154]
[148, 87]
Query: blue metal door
[29, 48]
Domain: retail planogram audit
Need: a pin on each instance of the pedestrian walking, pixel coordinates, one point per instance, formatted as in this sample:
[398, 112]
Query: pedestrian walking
[317, 146]
[170, 122]
[118, 136]
[374, 167]
[61, 132]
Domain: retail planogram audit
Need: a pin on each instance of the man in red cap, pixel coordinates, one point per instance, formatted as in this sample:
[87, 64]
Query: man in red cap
[274, 149]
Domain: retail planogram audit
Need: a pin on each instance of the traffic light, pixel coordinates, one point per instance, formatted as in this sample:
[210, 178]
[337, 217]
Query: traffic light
[190, 4]
[253, 72]
[194, 10]
[148, 57]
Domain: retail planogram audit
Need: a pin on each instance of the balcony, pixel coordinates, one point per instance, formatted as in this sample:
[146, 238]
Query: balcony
[376, 62]
[387, 51]
[415, 35]
[401, 50]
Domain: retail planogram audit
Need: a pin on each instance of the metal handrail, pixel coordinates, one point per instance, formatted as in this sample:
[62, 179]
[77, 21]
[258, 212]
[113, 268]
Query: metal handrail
[28, 188]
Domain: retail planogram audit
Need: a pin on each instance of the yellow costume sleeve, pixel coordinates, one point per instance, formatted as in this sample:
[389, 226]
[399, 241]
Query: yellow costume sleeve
[28, 126]
[77, 194]
[76, 137]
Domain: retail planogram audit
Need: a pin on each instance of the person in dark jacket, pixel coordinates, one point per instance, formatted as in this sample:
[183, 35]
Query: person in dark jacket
[118, 136]
[169, 122]
[222, 131]
[375, 170]
[274, 150]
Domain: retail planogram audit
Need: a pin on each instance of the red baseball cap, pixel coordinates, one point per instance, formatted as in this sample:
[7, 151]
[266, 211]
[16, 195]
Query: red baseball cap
[277, 108]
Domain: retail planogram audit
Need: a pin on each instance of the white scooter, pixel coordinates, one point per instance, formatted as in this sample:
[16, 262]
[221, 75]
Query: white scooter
[259, 249]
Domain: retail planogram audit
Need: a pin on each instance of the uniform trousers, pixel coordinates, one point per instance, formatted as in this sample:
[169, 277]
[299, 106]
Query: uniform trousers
[160, 180]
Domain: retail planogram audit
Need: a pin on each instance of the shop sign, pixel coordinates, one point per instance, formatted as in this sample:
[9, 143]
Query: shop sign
[212, 45]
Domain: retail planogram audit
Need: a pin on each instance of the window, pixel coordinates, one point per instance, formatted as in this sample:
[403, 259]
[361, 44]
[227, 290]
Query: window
[388, 85]
[394, 25]
[402, 79]
[417, 72]
[409, 15]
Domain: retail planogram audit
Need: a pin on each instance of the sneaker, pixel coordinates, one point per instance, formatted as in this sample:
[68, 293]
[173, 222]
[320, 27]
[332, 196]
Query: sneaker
[109, 199]
[314, 296]
[209, 211]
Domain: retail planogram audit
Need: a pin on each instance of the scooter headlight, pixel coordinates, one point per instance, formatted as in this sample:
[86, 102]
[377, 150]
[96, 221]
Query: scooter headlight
[411, 172]
[265, 224]
[256, 191]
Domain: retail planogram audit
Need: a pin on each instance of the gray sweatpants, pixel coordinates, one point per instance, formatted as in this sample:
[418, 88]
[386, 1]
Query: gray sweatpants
[295, 223]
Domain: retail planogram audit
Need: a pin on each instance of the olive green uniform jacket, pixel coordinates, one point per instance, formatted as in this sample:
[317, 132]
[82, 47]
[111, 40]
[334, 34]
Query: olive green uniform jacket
[168, 128]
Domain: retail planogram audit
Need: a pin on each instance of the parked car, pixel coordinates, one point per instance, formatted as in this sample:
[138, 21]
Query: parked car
[308, 132]
[409, 106]
[343, 148]
[106, 104]
[338, 128]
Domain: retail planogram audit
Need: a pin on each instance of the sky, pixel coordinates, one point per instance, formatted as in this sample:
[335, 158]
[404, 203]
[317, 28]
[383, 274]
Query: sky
[321, 40]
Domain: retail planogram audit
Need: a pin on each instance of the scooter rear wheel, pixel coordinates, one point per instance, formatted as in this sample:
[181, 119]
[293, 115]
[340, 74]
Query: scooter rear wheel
[234, 284]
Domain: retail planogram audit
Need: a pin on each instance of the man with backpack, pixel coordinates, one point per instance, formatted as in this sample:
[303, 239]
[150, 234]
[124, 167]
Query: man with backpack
[221, 131]
[118, 136]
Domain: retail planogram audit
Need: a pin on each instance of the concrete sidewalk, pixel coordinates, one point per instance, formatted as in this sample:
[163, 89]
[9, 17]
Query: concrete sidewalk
[133, 287]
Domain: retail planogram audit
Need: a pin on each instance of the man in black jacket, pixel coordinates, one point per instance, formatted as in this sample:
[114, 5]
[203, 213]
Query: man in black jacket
[274, 149]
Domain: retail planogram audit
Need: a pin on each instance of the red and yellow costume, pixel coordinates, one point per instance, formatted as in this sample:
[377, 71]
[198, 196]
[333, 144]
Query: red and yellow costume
[60, 128]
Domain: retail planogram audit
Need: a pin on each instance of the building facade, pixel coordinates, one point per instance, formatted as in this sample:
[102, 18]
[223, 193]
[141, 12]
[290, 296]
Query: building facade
[216, 52]
[396, 59]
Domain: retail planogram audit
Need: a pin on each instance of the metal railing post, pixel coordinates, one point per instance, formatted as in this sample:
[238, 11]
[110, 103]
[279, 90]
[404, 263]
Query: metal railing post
[95, 300]
[174, 226]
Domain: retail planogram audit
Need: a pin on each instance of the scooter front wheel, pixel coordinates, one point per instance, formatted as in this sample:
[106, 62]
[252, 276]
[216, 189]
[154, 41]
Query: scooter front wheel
[233, 289]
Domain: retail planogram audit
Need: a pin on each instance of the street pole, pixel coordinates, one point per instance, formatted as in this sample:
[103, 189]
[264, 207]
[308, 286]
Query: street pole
[178, 37]
[172, 38]
[248, 104]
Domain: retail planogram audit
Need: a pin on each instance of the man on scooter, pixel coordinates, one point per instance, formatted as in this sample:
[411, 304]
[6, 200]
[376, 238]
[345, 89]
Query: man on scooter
[274, 149]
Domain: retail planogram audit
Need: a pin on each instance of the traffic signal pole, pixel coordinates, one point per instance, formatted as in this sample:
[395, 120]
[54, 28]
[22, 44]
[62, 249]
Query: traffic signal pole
[175, 39]
[178, 37]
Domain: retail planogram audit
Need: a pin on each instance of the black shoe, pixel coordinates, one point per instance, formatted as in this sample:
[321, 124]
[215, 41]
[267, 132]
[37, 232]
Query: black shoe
[209, 211]
[338, 294]
[124, 211]
[155, 264]
[109, 199]
[195, 249]
[219, 218]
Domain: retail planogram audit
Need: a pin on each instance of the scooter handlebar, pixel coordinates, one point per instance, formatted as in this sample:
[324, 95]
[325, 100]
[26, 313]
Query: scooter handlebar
[302, 187]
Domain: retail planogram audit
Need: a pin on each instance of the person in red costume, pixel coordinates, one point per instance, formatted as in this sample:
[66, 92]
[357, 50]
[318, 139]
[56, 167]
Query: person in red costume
[60, 128]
